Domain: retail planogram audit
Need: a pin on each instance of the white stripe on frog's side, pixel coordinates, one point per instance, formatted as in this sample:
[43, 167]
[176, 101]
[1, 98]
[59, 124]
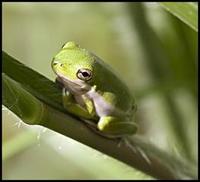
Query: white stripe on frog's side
[103, 108]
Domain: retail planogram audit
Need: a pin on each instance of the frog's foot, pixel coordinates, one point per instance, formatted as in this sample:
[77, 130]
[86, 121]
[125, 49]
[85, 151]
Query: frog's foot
[67, 97]
[116, 126]
[93, 126]
[90, 107]
[69, 103]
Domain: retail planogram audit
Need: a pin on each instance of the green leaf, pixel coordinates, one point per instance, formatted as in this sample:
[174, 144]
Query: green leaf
[21, 102]
[17, 144]
[185, 11]
[35, 83]
[33, 107]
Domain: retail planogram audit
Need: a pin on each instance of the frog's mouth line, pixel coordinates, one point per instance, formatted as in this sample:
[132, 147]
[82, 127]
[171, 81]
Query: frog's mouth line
[75, 86]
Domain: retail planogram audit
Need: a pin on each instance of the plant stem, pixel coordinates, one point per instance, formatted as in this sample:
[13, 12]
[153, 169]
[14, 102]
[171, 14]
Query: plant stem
[35, 111]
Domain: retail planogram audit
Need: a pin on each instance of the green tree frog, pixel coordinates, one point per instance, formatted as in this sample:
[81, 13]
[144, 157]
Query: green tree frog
[92, 90]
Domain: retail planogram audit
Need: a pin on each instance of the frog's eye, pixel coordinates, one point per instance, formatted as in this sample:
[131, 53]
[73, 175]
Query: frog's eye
[84, 74]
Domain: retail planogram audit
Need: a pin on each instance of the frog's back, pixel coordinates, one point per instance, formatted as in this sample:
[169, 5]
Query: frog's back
[114, 90]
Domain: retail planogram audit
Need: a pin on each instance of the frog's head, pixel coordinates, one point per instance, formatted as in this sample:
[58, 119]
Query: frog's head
[74, 66]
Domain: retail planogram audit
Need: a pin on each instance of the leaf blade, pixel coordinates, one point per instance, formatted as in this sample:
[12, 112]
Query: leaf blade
[186, 12]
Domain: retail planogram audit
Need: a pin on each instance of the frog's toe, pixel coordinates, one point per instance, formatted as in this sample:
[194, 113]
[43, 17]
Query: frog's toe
[115, 126]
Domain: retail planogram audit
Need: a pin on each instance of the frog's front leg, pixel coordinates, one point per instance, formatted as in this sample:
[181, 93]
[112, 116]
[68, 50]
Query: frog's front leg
[90, 107]
[116, 126]
[72, 106]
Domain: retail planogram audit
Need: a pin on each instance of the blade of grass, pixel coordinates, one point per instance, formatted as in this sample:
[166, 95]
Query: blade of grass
[185, 11]
[34, 111]
[17, 144]
[37, 84]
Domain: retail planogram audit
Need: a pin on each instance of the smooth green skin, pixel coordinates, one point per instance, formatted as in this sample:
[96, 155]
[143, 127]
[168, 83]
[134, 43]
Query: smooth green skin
[114, 116]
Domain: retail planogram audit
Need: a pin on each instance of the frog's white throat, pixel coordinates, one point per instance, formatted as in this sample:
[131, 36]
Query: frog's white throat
[78, 87]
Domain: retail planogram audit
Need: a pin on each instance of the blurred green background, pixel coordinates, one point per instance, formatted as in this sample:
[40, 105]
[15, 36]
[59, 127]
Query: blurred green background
[155, 54]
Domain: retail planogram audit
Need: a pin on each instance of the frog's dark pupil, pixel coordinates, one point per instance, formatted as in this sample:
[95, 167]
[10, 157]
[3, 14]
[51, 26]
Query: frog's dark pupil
[85, 74]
